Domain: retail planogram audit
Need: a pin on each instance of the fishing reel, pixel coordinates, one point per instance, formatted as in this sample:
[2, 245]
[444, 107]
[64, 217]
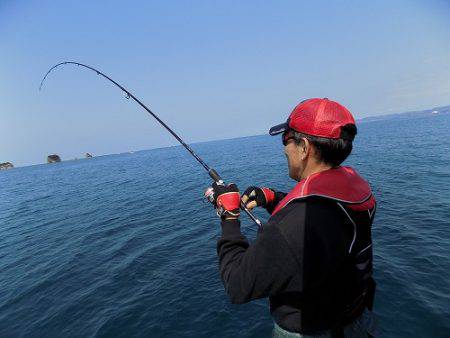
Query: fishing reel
[209, 195]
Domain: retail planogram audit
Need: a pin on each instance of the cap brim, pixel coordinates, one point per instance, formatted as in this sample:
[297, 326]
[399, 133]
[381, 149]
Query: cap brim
[279, 128]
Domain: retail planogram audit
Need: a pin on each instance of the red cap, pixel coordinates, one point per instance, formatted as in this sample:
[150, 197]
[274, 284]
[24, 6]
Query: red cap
[317, 117]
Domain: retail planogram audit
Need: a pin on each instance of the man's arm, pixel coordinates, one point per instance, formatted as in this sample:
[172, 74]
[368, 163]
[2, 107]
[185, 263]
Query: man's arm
[263, 268]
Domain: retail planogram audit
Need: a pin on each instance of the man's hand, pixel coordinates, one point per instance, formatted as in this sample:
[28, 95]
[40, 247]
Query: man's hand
[225, 199]
[255, 196]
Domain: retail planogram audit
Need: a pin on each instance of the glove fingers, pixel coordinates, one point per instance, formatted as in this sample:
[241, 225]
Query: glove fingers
[249, 194]
[250, 205]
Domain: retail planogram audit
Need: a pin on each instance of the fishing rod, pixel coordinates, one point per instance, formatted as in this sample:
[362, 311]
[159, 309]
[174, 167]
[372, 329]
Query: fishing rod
[212, 173]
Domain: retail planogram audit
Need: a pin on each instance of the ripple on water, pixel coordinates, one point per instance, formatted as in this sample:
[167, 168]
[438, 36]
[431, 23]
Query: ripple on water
[122, 245]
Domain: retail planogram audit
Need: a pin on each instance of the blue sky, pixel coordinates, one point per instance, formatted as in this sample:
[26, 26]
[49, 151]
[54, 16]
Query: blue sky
[210, 69]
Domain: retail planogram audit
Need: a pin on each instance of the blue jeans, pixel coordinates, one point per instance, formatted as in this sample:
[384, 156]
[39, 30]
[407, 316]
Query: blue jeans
[363, 326]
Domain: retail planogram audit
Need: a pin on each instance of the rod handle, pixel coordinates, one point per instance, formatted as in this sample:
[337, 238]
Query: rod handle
[215, 176]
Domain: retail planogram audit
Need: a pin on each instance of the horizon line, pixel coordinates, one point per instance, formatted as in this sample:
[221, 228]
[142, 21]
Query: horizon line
[237, 137]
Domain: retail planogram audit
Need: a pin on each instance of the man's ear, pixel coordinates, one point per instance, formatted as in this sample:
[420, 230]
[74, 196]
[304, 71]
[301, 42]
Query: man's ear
[305, 148]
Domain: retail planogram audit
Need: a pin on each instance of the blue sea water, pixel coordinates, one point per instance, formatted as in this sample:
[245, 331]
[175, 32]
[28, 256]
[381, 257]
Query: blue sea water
[124, 246]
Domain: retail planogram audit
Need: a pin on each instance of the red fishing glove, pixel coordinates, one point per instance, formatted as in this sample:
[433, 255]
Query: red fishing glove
[225, 198]
[255, 196]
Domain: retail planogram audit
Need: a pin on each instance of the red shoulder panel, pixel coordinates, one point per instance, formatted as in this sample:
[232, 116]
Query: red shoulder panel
[342, 184]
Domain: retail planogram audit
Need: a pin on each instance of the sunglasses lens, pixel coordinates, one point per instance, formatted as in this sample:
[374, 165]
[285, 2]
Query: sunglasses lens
[285, 139]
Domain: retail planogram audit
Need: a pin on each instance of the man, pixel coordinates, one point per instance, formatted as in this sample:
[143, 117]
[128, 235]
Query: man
[313, 258]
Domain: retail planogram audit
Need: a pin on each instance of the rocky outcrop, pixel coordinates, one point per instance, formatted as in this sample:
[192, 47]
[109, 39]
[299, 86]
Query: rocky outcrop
[6, 165]
[53, 158]
[88, 155]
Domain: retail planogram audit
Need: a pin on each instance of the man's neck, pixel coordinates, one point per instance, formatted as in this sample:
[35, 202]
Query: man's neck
[314, 168]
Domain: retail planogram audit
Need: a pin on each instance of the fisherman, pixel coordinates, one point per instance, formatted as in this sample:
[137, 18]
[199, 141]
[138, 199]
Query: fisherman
[313, 258]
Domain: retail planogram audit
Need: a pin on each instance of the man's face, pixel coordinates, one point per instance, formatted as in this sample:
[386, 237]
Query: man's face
[293, 153]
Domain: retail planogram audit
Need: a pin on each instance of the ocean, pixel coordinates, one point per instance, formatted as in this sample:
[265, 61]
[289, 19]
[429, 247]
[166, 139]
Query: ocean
[125, 246]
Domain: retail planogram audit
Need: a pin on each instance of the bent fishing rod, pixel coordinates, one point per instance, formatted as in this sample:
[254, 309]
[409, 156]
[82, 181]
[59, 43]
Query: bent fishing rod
[212, 173]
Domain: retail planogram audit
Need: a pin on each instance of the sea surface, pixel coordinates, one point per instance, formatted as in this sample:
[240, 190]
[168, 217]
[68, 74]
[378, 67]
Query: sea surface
[125, 246]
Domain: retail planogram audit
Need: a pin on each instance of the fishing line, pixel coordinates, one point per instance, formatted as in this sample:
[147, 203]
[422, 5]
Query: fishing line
[212, 173]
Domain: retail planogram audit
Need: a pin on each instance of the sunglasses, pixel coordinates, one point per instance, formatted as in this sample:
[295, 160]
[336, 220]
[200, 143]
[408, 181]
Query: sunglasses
[285, 139]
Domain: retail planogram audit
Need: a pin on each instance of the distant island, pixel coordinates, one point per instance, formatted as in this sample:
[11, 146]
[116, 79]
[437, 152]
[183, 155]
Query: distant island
[408, 115]
[6, 165]
[53, 158]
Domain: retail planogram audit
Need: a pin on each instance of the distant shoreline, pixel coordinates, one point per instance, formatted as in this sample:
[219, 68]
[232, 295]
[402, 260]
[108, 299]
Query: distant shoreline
[443, 110]
[407, 115]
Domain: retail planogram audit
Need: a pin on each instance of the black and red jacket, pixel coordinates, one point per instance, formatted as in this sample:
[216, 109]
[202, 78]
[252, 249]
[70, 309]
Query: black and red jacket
[313, 258]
